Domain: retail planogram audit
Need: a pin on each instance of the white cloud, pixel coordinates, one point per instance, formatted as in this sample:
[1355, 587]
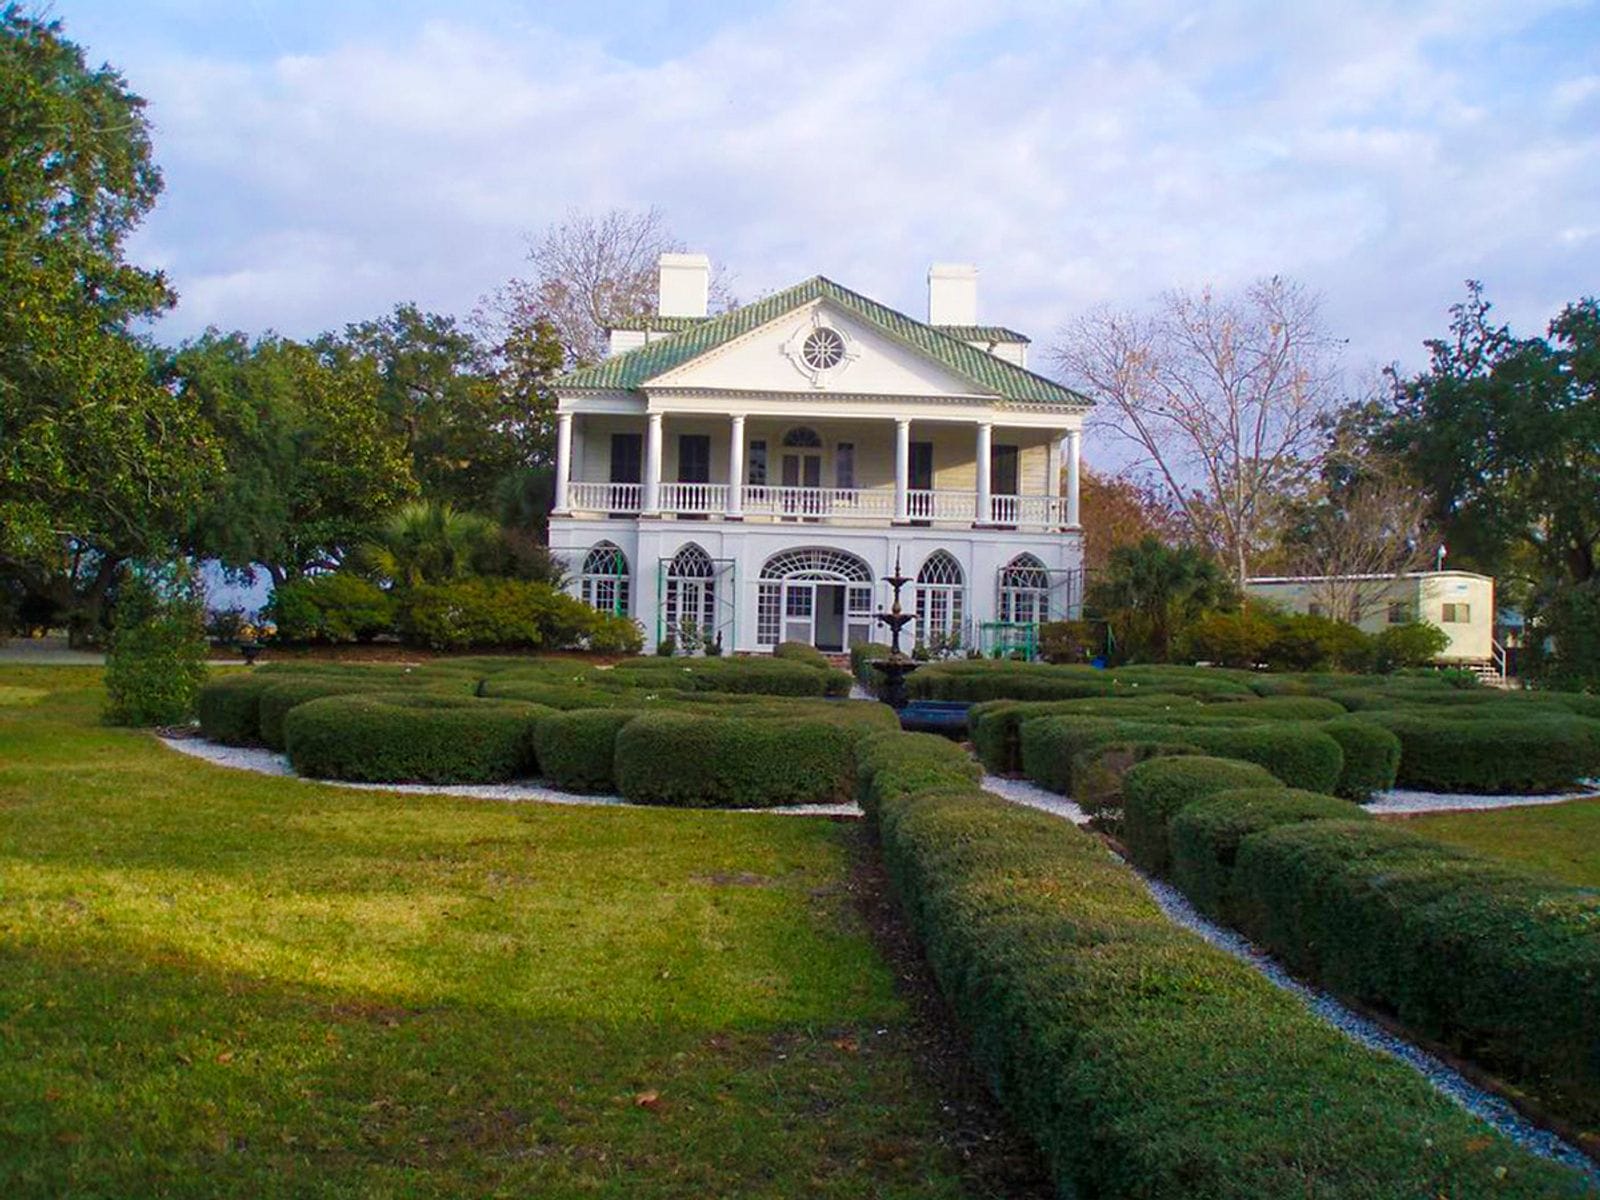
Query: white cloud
[1078, 153]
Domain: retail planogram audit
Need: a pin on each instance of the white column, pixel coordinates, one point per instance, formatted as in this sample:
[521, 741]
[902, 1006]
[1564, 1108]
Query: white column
[1074, 462]
[902, 468]
[652, 464]
[563, 459]
[736, 467]
[985, 511]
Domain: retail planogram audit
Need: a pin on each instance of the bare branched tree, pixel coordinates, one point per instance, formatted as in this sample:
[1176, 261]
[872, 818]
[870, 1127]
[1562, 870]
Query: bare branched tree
[588, 272]
[1364, 524]
[1221, 397]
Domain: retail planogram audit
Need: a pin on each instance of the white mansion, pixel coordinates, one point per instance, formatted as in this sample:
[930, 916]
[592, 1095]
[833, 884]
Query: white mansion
[755, 475]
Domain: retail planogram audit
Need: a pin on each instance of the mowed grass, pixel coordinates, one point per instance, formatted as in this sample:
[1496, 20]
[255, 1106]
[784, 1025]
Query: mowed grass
[1559, 839]
[219, 984]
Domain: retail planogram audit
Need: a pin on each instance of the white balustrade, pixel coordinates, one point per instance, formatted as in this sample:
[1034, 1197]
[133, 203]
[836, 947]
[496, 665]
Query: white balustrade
[694, 498]
[605, 497]
[924, 505]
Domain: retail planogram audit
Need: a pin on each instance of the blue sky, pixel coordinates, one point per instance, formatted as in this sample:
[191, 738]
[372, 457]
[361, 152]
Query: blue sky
[325, 161]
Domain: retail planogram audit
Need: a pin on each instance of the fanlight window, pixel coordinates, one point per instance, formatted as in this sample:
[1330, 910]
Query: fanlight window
[691, 599]
[802, 438]
[603, 583]
[941, 589]
[1024, 591]
[786, 597]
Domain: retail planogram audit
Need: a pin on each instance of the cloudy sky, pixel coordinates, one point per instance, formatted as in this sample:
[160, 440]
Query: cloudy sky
[326, 160]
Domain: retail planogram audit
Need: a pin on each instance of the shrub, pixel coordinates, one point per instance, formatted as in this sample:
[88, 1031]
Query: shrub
[1157, 790]
[1517, 754]
[1465, 950]
[734, 762]
[611, 634]
[1098, 774]
[861, 658]
[1236, 639]
[337, 607]
[230, 708]
[1203, 837]
[278, 696]
[800, 652]
[576, 750]
[1569, 617]
[1142, 1061]
[765, 676]
[156, 662]
[1068, 641]
[505, 613]
[1414, 644]
[1371, 757]
[1004, 680]
[431, 739]
[1301, 756]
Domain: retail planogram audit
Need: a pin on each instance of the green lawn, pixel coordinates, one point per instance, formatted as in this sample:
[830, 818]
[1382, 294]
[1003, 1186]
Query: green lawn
[214, 983]
[1560, 839]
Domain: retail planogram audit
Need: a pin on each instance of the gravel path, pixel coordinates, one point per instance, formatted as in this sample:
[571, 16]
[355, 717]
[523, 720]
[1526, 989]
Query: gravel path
[1484, 1105]
[268, 762]
[1399, 802]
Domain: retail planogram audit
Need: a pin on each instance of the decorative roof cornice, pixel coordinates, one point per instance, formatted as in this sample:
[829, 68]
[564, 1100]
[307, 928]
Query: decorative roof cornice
[989, 374]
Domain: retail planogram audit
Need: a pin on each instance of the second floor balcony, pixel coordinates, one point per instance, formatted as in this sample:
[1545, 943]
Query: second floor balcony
[881, 472]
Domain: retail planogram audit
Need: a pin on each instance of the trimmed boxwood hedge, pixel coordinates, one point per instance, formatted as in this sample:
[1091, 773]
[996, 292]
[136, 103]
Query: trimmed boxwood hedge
[1529, 754]
[766, 676]
[1142, 1061]
[422, 739]
[281, 695]
[230, 709]
[1203, 837]
[980, 680]
[803, 653]
[1155, 791]
[576, 750]
[1497, 964]
[735, 762]
[1371, 757]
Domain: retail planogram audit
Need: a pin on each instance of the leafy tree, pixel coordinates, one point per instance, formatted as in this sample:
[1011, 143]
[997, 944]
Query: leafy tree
[97, 462]
[1504, 434]
[1150, 591]
[313, 468]
[468, 414]
[1118, 511]
[157, 658]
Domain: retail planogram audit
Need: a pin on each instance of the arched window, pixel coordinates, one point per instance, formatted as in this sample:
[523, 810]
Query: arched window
[1024, 591]
[787, 600]
[941, 588]
[604, 581]
[691, 599]
[802, 438]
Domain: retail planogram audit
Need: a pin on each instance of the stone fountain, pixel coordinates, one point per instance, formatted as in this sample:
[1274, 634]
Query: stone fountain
[897, 666]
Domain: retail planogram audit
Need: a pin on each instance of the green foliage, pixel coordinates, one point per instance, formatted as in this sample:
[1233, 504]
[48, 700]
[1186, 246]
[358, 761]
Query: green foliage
[1069, 641]
[735, 762]
[1142, 1061]
[423, 739]
[311, 468]
[1236, 639]
[801, 652]
[1565, 647]
[1204, 837]
[576, 750]
[1414, 644]
[1371, 757]
[861, 659]
[1151, 592]
[1155, 791]
[1526, 754]
[767, 676]
[157, 659]
[230, 709]
[982, 679]
[336, 607]
[1468, 951]
[427, 541]
[99, 464]
[504, 613]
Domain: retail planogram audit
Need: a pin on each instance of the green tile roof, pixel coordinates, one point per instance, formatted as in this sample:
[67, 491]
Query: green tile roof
[988, 374]
[658, 324]
[984, 333]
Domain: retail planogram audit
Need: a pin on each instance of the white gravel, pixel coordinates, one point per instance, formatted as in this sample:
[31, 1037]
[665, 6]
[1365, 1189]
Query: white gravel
[1400, 802]
[269, 762]
[1023, 791]
[1484, 1105]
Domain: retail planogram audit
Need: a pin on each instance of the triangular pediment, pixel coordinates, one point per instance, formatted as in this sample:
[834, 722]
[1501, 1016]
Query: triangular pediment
[818, 348]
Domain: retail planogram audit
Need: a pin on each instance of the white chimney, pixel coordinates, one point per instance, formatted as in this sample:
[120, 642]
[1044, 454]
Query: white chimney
[685, 283]
[952, 294]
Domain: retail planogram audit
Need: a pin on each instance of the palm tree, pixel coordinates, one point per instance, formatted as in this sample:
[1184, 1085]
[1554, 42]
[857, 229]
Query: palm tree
[1151, 590]
[426, 541]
